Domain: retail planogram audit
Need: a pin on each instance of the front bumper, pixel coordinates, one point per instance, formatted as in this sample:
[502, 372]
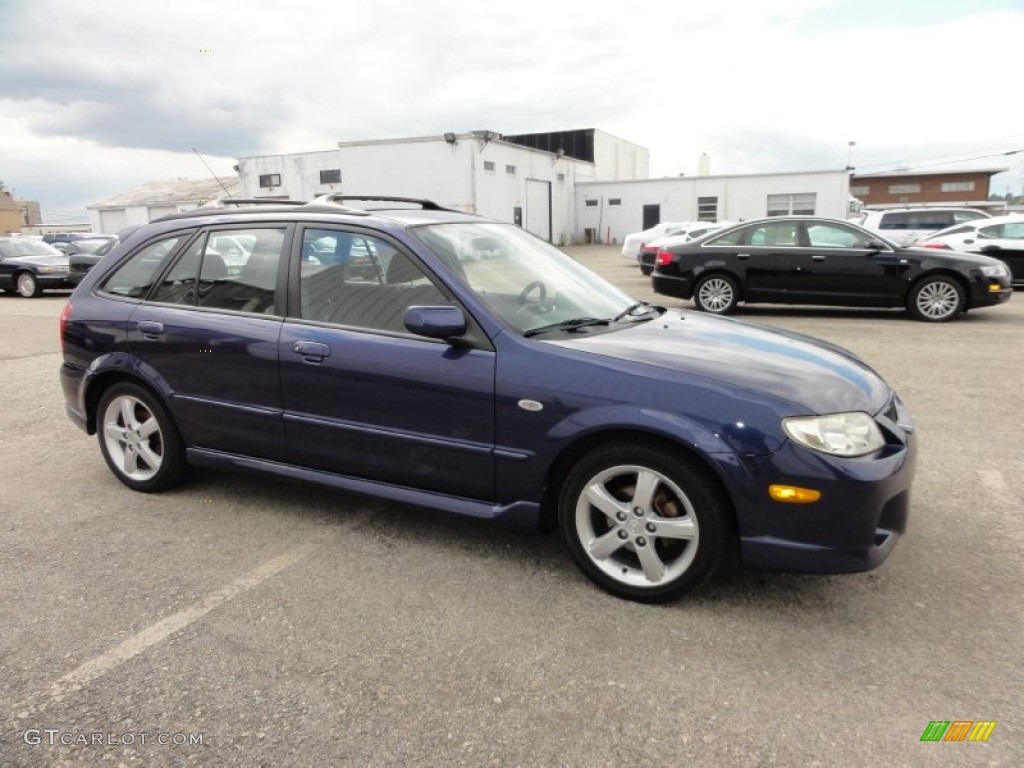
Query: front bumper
[853, 527]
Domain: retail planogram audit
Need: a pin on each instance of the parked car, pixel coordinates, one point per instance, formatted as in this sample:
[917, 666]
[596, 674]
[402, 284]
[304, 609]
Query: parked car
[1001, 237]
[61, 240]
[632, 243]
[517, 387]
[812, 260]
[905, 226]
[27, 267]
[84, 254]
[649, 252]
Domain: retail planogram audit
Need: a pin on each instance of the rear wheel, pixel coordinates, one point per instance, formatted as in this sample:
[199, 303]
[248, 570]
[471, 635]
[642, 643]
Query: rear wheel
[647, 270]
[139, 440]
[643, 523]
[936, 299]
[27, 285]
[717, 294]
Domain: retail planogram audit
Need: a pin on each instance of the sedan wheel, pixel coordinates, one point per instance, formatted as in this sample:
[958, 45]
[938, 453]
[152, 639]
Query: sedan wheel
[717, 294]
[28, 286]
[936, 299]
[138, 439]
[643, 523]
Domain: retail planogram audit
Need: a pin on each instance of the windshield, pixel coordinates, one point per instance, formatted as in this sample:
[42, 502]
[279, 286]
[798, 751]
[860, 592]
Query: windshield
[17, 248]
[526, 282]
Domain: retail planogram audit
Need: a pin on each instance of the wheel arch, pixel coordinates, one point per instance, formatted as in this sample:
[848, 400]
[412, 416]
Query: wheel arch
[720, 270]
[958, 278]
[101, 382]
[584, 444]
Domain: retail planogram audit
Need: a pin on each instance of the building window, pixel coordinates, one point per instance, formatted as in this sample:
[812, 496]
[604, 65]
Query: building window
[614, 201]
[591, 203]
[958, 186]
[270, 180]
[561, 177]
[331, 177]
[904, 189]
[510, 169]
[707, 209]
[489, 165]
[860, 190]
[801, 204]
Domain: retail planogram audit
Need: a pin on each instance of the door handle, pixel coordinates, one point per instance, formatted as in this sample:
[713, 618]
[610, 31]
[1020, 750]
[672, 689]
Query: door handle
[313, 351]
[150, 328]
[818, 257]
[742, 255]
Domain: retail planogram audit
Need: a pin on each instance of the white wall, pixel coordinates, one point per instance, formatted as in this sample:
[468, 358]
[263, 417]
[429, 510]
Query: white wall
[616, 159]
[108, 221]
[739, 198]
[453, 175]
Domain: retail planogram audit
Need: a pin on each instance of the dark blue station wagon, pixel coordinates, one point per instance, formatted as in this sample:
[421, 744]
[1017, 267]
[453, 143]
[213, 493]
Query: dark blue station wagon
[447, 361]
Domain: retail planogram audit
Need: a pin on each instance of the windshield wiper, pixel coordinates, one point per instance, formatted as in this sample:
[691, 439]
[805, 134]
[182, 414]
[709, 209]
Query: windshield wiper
[567, 325]
[631, 309]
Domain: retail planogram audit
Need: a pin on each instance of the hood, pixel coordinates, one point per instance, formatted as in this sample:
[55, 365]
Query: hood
[937, 256]
[813, 375]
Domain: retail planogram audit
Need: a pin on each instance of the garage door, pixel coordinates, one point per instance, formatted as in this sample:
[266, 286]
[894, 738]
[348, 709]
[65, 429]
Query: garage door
[111, 222]
[538, 208]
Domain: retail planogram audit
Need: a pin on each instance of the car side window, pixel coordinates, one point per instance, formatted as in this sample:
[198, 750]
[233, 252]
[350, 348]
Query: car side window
[360, 281]
[834, 236]
[1014, 230]
[135, 277]
[736, 237]
[244, 281]
[961, 216]
[776, 234]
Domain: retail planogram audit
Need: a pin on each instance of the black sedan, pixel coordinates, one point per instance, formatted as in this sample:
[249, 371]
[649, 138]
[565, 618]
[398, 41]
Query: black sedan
[86, 253]
[809, 260]
[28, 266]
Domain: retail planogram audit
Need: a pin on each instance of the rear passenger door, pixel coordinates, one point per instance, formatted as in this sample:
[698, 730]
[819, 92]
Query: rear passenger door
[365, 398]
[209, 332]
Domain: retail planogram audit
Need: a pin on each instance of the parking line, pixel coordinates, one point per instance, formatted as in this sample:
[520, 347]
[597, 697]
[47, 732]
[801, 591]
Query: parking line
[153, 634]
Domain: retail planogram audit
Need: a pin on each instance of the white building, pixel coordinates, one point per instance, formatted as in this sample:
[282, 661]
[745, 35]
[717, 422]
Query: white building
[529, 179]
[159, 198]
[607, 211]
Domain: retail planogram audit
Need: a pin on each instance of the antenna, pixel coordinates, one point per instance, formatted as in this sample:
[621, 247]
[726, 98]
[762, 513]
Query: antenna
[226, 191]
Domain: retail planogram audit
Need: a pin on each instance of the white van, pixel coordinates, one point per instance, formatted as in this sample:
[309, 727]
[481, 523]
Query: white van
[905, 226]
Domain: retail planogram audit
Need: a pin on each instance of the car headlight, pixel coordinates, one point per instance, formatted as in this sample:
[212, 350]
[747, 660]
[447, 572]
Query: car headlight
[52, 270]
[996, 270]
[840, 434]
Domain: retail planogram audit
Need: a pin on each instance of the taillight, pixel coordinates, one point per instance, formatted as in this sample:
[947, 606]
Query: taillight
[64, 315]
[664, 258]
[936, 246]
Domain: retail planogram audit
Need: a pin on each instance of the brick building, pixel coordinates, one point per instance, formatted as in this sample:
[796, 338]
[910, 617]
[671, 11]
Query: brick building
[964, 188]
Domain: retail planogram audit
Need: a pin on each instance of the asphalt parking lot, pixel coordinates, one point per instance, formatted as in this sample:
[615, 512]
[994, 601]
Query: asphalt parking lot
[243, 621]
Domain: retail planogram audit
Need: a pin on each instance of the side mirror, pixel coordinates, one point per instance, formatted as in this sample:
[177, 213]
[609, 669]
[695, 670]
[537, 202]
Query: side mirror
[435, 322]
[990, 249]
[875, 245]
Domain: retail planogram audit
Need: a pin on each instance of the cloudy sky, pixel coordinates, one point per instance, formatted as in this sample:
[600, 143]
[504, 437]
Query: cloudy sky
[97, 97]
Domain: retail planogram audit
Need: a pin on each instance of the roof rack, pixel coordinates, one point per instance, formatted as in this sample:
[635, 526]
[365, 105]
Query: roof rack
[426, 205]
[221, 202]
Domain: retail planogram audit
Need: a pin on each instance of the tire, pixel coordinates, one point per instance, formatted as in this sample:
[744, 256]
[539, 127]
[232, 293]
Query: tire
[26, 285]
[651, 545]
[718, 294]
[648, 271]
[139, 440]
[936, 299]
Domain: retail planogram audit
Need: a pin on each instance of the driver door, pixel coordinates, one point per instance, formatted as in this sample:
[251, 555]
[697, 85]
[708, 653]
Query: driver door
[365, 398]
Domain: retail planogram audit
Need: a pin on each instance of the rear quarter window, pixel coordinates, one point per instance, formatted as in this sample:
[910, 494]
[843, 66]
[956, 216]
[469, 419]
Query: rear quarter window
[134, 278]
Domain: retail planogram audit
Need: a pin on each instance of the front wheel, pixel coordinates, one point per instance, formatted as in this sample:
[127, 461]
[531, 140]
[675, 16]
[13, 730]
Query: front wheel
[643, 523]
[27, 285]
[139, 440]
[936, 299]
[717, 294]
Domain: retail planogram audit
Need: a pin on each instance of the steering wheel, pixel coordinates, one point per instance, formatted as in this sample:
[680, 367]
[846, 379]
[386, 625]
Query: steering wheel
[524, 295]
